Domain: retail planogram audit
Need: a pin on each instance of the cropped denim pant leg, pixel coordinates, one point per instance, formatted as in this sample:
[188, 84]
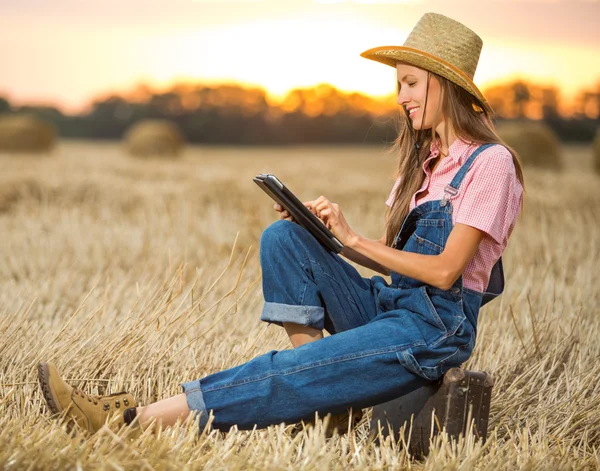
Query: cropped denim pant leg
[305, 284]
[359, 366]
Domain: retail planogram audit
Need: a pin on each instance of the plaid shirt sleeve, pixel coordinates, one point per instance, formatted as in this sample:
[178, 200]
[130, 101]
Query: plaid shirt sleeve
[490, 194]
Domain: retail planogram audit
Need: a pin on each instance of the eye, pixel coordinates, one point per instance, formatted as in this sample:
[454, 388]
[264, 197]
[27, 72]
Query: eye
[399, 85]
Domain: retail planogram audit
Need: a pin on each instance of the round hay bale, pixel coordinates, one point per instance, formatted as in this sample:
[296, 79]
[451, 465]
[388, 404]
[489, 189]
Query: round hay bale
[26, 133]
[597, 151]
[535, 142]
[154, 138]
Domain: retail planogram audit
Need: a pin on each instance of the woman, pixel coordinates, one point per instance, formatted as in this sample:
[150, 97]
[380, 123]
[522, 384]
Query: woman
[457, 195]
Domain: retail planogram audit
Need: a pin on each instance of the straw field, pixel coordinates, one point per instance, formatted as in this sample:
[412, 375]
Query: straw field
[140, 275]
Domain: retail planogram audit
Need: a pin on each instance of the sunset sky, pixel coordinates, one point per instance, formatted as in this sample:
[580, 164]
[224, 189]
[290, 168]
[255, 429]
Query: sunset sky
[65, 52]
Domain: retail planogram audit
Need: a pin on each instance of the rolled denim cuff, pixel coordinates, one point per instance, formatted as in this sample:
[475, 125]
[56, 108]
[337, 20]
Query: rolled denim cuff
[195, 401]
[276, 313]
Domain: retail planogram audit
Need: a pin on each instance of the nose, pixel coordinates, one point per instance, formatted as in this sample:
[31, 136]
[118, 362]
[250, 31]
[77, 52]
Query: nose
[403, 97]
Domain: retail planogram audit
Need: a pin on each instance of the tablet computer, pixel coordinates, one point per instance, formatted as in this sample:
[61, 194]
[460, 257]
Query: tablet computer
[272, 186]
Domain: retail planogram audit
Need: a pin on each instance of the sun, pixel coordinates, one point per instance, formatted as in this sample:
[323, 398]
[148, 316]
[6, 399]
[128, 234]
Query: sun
[280, 55]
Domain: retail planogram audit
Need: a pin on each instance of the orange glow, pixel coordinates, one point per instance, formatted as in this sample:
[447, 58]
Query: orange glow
[273, 45]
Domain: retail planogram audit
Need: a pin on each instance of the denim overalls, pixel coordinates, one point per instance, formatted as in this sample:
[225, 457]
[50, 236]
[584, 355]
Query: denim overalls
[387, 339]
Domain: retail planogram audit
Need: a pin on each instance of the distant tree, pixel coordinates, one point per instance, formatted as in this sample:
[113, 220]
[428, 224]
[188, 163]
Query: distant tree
[521, 97]
[109, 117]
[4, 105]
[588, 103]
[48, 113]
[232, 114]
[550, 103]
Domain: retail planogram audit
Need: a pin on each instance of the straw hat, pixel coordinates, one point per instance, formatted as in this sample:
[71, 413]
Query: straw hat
[441, 45]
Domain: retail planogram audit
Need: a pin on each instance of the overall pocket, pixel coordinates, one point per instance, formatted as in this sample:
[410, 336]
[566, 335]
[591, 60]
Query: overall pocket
[430, 314]
[447, 306]
[432, 362]
[407, 360]
[429, 235]
[452, 342]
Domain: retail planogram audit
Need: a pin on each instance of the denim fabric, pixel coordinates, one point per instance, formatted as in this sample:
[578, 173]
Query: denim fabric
[308, 285]
[387, 340]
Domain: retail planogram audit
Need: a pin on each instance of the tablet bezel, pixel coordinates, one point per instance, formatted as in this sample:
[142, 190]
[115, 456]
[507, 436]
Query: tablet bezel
[275, 188]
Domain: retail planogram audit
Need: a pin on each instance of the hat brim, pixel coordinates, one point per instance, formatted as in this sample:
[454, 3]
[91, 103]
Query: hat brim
[390, 55]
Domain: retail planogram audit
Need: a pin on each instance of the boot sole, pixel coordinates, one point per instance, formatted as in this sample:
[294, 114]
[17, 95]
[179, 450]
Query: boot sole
[44, 379]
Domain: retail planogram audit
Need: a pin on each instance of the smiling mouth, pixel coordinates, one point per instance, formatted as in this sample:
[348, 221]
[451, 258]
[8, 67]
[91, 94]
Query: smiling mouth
[413, 111]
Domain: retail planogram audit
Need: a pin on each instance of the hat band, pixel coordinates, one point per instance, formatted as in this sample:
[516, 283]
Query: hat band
[430, 56]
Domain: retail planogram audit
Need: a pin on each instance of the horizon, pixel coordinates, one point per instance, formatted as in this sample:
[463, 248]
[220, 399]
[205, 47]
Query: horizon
[71, 53]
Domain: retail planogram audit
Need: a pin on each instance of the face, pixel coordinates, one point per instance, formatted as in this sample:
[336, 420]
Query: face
[412, 83]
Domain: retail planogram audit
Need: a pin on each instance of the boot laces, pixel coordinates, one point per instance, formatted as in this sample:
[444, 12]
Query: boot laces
[93, 399]
[105, 399]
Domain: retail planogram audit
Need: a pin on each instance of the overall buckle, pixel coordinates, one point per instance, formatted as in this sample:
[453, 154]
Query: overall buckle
[448, 190]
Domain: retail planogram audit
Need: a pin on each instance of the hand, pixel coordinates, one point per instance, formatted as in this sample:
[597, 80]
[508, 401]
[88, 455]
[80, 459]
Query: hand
[331, 216]
[283, 214]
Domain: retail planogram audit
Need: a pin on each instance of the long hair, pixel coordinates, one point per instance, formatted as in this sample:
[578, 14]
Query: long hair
[470, 122]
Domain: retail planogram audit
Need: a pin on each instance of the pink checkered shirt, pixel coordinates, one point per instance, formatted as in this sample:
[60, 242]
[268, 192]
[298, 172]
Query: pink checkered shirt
[488, 199]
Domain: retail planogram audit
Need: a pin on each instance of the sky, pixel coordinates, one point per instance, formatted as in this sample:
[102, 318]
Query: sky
[66, 52]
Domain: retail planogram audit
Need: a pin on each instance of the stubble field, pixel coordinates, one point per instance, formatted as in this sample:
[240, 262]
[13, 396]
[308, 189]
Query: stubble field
[140, 275]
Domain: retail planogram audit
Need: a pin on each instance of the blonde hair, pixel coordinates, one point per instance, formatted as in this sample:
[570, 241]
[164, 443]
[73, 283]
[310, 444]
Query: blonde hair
[470, 122]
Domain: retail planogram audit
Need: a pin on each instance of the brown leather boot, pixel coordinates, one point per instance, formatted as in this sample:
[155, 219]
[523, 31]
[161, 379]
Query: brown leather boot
[89, 412]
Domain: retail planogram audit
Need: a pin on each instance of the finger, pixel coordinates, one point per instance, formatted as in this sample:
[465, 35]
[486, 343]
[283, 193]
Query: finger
[311, 207]
[322, 205]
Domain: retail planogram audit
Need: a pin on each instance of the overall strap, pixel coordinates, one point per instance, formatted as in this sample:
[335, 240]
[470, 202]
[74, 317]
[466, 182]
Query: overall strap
[452, 188]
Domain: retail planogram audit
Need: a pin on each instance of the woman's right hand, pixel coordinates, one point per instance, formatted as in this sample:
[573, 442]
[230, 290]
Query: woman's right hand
[283, 214]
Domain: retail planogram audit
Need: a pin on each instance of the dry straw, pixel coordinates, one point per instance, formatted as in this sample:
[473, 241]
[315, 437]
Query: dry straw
[26, 134]
[154, 138]
[535, 142]
[128, 274]
[443, 46]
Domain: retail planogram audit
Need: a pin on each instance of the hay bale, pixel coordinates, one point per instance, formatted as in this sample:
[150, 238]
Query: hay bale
[26, 133]
[535, 142]
[154, 138]
[597, 151]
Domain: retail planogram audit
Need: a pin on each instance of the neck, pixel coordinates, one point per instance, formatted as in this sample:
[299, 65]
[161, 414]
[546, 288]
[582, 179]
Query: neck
[447, 137]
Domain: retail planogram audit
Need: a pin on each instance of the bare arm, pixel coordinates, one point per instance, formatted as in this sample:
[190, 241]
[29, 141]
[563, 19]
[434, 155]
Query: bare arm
[440, 270]
[361, 259]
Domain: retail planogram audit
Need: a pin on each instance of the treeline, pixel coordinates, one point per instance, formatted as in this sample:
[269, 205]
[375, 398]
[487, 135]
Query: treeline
[576, 121]
[229, 114]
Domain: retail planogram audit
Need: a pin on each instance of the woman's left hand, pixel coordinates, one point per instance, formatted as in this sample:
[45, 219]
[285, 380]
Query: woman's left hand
[331, 215]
